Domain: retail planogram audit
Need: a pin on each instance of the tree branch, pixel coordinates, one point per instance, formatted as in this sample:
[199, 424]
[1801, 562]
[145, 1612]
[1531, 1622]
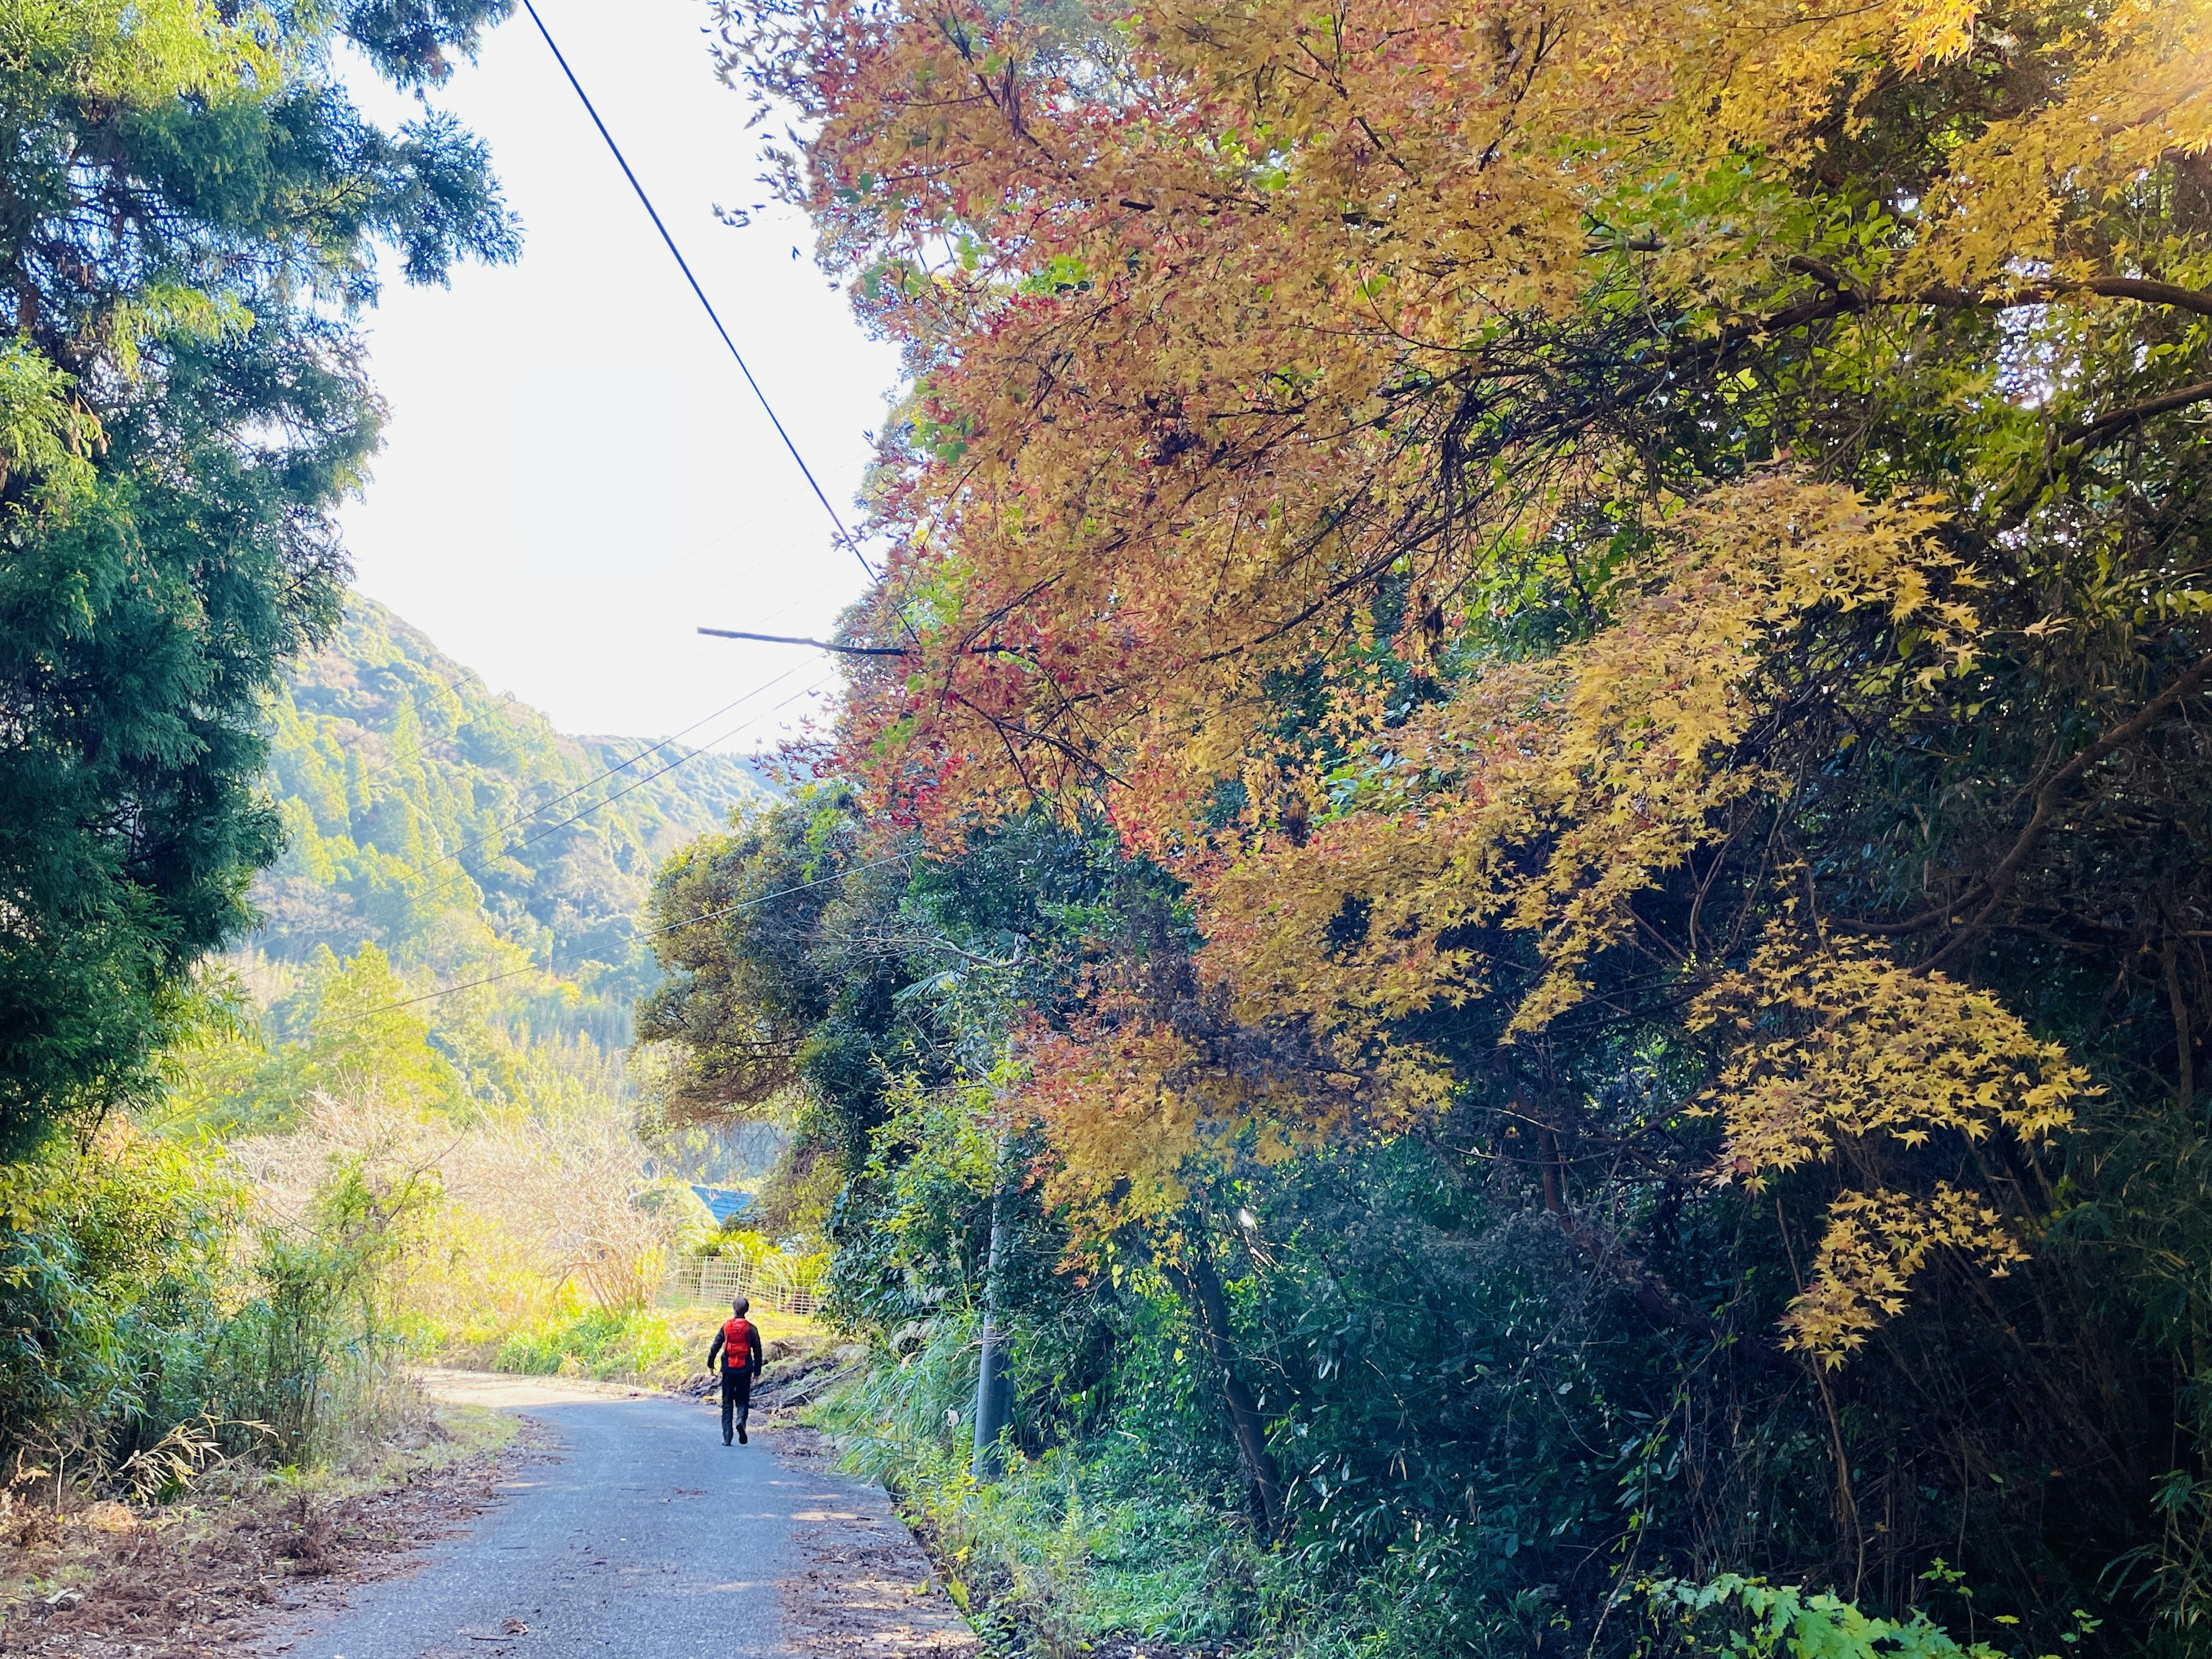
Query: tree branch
[2138, 288]
[2053, 791]
[2134, 288]
[2047, 797]
[2122, 419]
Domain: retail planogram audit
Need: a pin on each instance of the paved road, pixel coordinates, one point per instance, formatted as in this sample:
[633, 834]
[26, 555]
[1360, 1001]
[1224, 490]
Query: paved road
[647, 1540]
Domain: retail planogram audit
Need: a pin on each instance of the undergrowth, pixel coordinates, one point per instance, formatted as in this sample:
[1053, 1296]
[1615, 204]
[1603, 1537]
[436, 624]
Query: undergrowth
[1098, 1541]
[140, 1296]
[1075, 1543]
[641, 1344]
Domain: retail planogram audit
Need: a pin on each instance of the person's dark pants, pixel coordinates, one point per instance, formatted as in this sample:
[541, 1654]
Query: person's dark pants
[737, 1399]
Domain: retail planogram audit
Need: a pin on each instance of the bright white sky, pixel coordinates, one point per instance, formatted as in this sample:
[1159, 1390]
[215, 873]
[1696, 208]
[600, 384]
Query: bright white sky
[575, 475]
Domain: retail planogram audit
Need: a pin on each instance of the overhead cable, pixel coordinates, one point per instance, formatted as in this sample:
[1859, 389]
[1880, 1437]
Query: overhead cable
[466, 874]
[713, 316]
[621, 766]
[672, 927]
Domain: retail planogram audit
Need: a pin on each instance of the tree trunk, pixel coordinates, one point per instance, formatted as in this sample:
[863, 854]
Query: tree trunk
[1199, 1287]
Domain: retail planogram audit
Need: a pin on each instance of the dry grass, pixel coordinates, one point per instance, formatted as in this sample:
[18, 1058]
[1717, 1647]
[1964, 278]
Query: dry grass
[88, 1577]
[536, 1210]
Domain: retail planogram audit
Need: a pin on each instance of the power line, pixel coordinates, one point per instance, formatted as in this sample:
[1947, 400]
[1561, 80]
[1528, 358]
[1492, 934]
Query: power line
[738, 575]
[672, 928]
[684, 265]
[633, 788]
[454, 856]
[655, 932]
[766, 512]
[466, 874]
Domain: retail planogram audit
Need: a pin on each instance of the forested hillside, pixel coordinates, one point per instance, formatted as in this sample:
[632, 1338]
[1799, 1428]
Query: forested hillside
[438, 838]
[411, 794]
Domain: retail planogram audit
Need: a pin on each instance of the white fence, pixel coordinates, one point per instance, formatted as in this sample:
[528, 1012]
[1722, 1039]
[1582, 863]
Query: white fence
[716, 1280]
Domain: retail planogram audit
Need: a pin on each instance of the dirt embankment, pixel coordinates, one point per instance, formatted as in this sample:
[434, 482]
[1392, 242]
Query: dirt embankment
[795, 1373]
[94, 1578]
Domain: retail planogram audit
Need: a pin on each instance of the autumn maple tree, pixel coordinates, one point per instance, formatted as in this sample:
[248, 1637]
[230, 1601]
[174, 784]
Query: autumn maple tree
[1264, 355]
[1642, 567]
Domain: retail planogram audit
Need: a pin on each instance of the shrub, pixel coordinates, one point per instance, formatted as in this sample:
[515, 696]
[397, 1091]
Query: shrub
[628, 1343]
[1750, 1617]
[113, 1270]
[136, 1294]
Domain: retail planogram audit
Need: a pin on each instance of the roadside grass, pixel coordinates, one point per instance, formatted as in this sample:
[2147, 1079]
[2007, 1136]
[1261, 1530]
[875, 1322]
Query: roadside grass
[1074, 1547]
[654, 1346]
[86, 1554]
[454, 1434]
[635, 1345]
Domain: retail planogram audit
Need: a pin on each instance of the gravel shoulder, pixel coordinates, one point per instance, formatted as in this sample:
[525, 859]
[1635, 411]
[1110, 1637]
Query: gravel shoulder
[859, 1582]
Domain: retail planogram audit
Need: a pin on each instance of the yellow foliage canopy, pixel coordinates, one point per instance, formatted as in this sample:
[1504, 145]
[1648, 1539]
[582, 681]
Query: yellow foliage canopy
[1220, 336]
[1259, 311]
[1546, 794]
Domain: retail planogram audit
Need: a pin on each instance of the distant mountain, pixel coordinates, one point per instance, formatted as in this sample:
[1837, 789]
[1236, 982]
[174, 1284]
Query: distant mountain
[422, 808]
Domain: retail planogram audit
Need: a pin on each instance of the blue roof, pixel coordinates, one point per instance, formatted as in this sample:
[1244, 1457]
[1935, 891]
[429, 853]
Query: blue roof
[723, 1203]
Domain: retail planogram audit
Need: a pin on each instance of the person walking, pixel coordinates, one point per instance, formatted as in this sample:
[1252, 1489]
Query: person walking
[737, 1344]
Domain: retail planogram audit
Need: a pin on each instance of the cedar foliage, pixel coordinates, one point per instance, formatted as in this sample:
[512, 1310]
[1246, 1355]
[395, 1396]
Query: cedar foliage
[190, 211]
[1638, 571]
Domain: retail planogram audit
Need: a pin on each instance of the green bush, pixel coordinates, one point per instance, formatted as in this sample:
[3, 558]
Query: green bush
[1752, 1619]
[114, 1267]
[633, 1344]
[1076, 1541]
[136, 1295]
[306, 1351]
[1083, 1540]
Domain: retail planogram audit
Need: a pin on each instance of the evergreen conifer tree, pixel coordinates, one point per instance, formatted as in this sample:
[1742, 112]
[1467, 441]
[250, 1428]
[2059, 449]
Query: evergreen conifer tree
[190, 211]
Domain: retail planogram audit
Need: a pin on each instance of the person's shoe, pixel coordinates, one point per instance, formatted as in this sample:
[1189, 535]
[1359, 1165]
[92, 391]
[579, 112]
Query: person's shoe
[741, 1436]
[726, 1440]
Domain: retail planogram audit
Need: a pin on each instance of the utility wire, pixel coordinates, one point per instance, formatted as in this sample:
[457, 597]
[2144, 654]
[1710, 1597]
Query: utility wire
[622, 766]
[837, 524]
[672, 927]
[713, 316]
[766, 512]
[640, 783]
[466, 874]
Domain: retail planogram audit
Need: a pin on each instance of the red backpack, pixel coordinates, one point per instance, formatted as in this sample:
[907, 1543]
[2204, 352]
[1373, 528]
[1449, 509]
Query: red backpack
[737, 1344]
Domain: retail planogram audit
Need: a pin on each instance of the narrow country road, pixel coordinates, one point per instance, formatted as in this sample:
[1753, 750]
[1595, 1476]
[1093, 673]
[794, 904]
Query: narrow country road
[641, 1537]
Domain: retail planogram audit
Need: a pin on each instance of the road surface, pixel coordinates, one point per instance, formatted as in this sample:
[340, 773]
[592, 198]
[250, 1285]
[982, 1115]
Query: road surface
[641, 1537]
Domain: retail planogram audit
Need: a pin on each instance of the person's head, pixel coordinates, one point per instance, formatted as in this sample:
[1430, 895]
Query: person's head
[741, 1307]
